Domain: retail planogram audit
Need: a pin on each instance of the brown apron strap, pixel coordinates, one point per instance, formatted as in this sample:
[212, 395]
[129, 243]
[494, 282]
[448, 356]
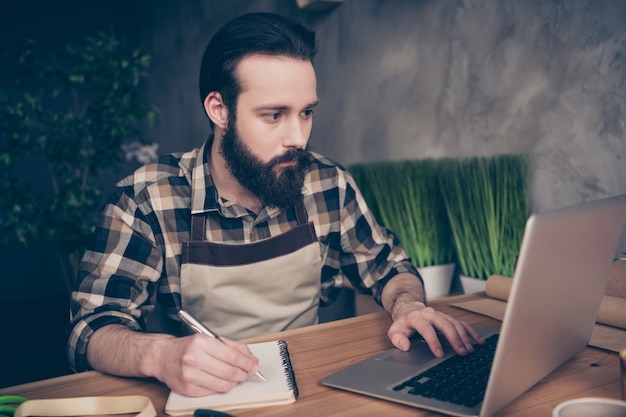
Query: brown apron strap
[198, 227]
[301, 215]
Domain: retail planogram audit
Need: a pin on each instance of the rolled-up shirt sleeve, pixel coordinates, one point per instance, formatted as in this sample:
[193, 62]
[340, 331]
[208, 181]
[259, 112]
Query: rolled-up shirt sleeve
[371, 254]
[117, 277]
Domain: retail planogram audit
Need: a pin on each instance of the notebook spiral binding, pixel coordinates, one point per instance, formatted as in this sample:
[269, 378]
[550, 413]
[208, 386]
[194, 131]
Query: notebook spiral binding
[289, 374]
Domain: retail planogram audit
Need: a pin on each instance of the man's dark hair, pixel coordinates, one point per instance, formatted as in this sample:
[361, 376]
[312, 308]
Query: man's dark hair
[250, 34]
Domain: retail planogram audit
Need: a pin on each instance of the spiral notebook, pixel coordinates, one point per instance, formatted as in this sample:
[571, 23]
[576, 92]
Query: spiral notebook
[280, 388]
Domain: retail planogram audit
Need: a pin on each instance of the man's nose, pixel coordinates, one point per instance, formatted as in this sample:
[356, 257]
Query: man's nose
[297, 134]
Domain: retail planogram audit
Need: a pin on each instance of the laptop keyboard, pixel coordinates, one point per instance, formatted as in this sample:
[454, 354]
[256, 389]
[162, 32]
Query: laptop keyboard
[460, 380]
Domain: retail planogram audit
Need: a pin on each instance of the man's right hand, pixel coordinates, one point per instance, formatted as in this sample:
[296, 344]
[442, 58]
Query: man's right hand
[200, 365]
[194, 365]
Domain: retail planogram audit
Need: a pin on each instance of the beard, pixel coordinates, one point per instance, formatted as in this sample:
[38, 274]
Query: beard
[274, 186]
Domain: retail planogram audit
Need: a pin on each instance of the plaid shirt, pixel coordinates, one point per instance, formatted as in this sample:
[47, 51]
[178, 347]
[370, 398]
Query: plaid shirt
[135, 255]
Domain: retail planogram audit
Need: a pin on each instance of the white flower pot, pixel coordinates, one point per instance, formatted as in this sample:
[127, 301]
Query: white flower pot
[437, 279]
[471, 285]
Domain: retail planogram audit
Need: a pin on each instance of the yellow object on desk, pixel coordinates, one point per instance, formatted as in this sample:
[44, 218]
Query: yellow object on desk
[84, 406]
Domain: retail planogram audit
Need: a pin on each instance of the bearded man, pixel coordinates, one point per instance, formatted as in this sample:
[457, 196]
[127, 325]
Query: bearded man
[249, 233]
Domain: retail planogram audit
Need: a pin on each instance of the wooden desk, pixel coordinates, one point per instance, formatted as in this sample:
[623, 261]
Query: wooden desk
[320, 350]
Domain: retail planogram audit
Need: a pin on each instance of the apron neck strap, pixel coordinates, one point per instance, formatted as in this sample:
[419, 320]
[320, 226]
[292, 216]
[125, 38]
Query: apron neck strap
[198, 227]
[301, 215]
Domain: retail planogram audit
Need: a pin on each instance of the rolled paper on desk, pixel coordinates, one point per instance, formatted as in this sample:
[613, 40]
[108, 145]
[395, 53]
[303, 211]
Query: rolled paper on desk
[499, 287]
[612, 310]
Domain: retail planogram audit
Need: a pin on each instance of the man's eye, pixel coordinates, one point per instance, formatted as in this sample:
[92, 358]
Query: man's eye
[273, 116]
[308, 113]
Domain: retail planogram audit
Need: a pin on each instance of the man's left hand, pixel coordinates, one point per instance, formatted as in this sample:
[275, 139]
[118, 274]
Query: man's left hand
[411, 317]
[402, 297]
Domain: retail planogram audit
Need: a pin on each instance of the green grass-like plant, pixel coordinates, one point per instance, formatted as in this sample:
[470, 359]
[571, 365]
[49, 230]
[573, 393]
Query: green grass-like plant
[487, 201]
[404, 197]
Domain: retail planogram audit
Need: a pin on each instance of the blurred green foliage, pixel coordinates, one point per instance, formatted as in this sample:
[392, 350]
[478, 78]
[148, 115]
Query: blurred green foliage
[487, 201]
[64, 119]
[404, 196]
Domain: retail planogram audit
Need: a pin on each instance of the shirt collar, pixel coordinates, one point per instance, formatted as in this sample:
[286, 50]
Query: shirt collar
[203, 191]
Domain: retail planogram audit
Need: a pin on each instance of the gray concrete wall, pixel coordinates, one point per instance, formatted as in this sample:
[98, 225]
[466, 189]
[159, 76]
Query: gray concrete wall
[417, 79]
[397, 79]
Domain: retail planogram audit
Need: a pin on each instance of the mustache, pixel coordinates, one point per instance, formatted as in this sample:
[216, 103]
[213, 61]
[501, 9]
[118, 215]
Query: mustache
[303, 156]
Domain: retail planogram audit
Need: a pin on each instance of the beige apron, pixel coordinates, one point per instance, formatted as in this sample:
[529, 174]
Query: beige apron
[244, 290]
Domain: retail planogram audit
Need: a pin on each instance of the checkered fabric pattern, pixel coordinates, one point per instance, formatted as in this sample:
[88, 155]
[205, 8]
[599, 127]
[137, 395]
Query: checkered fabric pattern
[135, 255]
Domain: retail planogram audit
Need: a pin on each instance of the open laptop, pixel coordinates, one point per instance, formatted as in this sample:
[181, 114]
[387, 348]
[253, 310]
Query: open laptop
[559, 281]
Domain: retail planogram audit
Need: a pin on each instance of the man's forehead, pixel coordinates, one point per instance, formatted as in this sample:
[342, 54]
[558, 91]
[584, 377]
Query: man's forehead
[276, 82]
[259, 70]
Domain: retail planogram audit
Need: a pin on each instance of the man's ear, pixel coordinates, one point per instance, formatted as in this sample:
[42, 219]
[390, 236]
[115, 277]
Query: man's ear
[216, 109]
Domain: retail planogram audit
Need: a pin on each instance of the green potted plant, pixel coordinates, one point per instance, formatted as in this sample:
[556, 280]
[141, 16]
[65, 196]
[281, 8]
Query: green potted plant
[66, 119]
[487, 201]
[406, 199]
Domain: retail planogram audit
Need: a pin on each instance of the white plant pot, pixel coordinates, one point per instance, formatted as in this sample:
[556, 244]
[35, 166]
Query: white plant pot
[471, 285]
[437, 279]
